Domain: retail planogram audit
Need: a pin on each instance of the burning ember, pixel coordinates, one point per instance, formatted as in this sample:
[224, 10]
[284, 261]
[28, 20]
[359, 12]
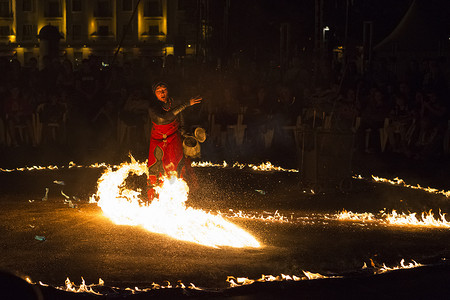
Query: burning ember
[167, 213]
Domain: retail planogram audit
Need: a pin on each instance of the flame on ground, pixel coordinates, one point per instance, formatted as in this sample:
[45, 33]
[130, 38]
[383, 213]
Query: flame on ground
[233, 281]
[167, 213]
[263, 167]
[426, 219]
[401, 182]
[239, 281]
[264, 216]
[96, 288]
[379, 269]
[82, 288]
[351, 216]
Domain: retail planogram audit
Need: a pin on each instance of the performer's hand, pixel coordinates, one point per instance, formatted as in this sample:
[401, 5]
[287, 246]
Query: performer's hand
[195, 100]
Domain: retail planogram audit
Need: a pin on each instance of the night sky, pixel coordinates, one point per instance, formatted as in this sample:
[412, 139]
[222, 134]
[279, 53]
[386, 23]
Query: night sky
[256, 23]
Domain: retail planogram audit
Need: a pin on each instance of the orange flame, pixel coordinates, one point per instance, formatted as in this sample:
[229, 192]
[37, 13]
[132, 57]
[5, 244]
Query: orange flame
[427, 219]
[167, 213]
[264, 167]
[401, 182]
[82, 288]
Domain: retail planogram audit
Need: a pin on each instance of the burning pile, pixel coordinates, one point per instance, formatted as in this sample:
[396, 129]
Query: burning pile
[167, 213]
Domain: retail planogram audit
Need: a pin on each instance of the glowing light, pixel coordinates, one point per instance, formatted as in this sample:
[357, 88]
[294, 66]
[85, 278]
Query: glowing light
[167, 213]
[82, 288]
[263, 167]
[264, 216]
[240, 281]
[401, 182]
[232, 280]
[427, 219]
[351, 216]
[379, 269]
[266, 167]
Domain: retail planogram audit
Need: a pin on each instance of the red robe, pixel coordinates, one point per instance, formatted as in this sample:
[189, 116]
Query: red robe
[168, 139]
[166, 148]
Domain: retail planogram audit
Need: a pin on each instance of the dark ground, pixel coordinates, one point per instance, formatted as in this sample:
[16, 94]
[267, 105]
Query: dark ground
[81, 242]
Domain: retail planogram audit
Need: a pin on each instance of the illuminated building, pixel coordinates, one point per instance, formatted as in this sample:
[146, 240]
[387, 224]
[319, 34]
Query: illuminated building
[98, 27]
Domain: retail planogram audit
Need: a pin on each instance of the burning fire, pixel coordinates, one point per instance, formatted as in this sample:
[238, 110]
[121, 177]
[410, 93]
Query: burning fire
[167, 213]
[264, 167]
[426, 219]
[82, 288]
[98, 288]
[239, 281]
[264, 216]
[351, 216]
[401, 182]
[267, 166]
[379, 269]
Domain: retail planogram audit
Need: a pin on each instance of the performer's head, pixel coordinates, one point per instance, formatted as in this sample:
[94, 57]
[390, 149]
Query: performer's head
[161, 91]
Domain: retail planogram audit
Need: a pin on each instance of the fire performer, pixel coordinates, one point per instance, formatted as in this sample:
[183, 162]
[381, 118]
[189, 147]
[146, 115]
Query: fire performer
[166, 149]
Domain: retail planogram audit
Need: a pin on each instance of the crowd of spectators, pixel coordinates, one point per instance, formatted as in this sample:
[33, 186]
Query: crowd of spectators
[250, 110]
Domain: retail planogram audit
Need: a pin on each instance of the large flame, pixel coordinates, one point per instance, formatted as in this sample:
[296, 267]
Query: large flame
[167, 213]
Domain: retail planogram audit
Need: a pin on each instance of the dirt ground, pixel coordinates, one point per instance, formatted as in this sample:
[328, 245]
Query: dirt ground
[81, 242]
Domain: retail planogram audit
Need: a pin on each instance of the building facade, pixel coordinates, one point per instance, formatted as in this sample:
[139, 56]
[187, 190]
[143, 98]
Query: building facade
[115, 30]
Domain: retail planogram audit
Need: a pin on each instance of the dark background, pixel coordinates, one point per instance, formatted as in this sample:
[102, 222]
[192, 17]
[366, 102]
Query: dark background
[254, 26]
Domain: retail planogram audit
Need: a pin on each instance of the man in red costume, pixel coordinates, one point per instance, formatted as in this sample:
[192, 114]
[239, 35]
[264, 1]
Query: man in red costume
[166, 149]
